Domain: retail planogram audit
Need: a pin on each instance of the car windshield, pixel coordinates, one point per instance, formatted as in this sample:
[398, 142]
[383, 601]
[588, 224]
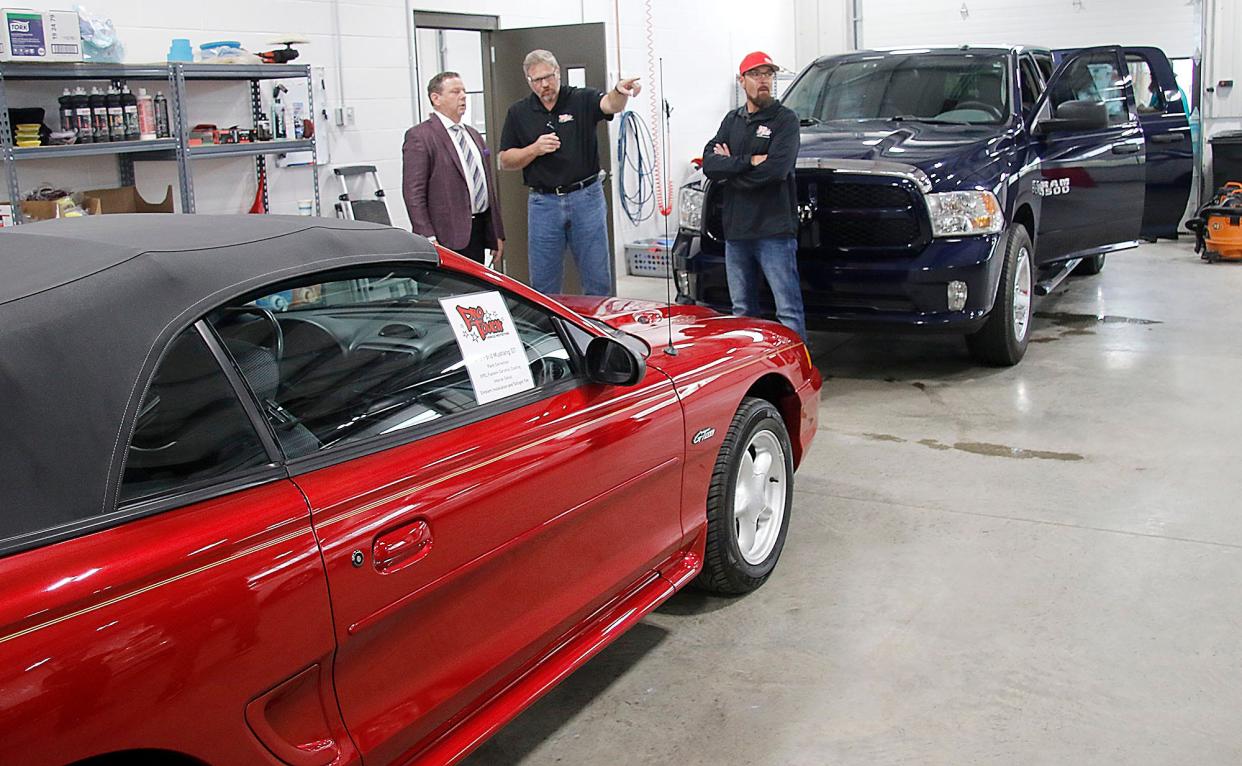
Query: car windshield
[958, 88]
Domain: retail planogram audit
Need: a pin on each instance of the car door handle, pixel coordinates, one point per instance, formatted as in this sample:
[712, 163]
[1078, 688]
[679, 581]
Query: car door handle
[1168, 138]
[1126, 148]
[401, 547]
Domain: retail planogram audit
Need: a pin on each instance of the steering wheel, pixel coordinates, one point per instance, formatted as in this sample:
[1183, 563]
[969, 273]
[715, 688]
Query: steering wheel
[981, 106]
[547, 369]
[277, 343]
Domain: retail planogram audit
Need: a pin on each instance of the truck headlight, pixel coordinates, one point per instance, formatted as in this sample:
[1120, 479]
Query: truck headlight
[962, 213]
[690, 209]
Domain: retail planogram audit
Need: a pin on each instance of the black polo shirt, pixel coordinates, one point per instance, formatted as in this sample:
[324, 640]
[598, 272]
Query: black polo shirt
[573, 119]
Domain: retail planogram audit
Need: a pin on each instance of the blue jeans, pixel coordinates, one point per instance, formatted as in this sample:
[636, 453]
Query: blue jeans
[579, 220]
[777, 257]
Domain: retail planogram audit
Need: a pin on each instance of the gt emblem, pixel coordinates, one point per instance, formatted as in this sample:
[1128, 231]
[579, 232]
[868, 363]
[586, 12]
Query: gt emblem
[703, 435]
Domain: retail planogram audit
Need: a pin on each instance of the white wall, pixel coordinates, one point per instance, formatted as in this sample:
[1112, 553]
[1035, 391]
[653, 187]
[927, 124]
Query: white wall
[701, 42]
[1168, 24]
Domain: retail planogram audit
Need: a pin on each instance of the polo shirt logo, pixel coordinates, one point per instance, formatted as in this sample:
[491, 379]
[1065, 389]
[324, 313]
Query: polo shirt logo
[564, 118]
[763, 131]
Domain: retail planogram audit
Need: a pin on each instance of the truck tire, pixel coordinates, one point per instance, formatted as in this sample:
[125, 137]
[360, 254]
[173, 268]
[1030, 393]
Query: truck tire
[748, 501]
[1090, 265]
[1003, 338]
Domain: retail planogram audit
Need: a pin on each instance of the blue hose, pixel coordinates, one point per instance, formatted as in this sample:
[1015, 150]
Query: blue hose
[633, 149]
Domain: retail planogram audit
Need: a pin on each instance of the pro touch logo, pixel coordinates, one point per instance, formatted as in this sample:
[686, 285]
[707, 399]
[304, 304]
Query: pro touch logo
[479, 323]
[1053, 187]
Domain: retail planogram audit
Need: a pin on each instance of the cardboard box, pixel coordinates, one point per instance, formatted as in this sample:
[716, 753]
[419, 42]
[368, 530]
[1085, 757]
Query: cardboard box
[126, 199]
[46, 210]
[30, 35]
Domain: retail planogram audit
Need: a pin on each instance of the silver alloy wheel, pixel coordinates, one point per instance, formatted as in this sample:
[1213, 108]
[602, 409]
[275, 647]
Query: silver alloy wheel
[759, 497]
[1021, 295]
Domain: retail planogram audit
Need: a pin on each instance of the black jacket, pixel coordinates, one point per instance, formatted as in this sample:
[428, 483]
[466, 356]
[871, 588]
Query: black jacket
[761, 200]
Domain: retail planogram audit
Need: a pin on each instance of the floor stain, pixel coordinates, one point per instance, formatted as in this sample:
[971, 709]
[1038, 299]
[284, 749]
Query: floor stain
[1068, 319]
[934, 444]
[1001, 450]
[885, 438]
[919, 385]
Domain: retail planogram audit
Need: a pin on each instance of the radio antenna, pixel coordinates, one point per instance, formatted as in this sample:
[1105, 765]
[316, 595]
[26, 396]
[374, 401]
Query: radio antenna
[665, 211]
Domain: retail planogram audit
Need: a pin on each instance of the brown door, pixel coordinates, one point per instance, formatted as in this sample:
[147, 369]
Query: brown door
[581, 50]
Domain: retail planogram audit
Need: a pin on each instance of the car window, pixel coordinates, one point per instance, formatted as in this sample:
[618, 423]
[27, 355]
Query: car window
[960, 88]
[1045, 64]
[1146, 88]
[191, 427]
[1092, 78]
[351, 356]
[1032, 86]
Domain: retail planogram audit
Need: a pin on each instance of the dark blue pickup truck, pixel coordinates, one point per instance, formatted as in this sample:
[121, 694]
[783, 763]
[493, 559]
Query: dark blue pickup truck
[940, 189]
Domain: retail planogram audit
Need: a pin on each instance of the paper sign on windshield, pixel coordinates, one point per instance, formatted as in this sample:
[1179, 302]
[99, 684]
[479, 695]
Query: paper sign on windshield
[489, 345]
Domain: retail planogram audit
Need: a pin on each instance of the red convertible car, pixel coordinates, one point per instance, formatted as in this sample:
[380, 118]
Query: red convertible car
[304, 491]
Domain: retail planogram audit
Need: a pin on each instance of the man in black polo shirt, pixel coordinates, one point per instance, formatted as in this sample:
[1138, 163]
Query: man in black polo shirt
[550, 137]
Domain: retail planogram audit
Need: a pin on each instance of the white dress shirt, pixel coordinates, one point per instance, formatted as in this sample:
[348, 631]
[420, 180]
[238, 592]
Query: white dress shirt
[473, 148]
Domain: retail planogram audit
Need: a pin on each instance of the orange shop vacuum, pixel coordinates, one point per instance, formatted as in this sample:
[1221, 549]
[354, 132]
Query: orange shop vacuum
[1218, 225]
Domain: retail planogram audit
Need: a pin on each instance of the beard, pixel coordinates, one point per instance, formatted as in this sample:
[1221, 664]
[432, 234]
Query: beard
[761, 100]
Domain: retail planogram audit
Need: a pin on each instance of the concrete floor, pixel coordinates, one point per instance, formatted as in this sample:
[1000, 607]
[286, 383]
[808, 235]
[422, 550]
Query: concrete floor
[1035, 565]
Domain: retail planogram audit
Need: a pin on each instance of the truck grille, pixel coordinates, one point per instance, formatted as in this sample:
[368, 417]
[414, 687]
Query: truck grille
[852, 215]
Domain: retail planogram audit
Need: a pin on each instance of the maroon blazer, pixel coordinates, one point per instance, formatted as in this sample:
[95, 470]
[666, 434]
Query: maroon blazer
[434, 185]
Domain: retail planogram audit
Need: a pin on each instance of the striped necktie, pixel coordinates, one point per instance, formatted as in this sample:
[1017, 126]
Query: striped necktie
[478, 185]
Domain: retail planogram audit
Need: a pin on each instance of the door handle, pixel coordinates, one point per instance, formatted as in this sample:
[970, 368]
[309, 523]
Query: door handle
[1168, 138]
[1127, 148]
[401, 547]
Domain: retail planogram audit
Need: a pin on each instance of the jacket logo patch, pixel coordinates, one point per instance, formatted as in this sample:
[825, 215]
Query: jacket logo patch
[564, 118]
[763, 131]
[703, 435]
[1051, 188]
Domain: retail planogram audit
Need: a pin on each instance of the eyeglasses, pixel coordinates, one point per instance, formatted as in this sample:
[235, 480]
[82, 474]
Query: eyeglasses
[541, 80]
[757, 75]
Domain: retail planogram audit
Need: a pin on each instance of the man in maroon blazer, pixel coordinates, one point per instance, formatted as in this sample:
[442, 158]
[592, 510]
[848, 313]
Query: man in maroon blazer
[448, 180]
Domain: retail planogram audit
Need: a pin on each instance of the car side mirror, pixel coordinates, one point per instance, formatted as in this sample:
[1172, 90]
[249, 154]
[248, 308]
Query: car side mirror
[1074, 116]
[611, 362]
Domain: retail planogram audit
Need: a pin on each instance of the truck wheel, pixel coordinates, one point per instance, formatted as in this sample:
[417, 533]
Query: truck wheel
[748, 501]
[1090, 265]
[1002, 339]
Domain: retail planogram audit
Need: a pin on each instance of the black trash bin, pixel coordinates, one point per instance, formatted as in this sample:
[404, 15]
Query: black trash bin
[1226, 158]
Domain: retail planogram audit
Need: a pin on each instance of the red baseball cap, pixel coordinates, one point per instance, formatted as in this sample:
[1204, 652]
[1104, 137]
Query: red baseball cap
[754, 60]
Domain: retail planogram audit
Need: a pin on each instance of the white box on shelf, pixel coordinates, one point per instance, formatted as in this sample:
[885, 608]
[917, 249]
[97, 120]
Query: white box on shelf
[30, 35]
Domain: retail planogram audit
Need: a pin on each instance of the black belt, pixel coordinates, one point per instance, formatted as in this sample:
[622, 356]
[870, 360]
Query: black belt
[567, 188]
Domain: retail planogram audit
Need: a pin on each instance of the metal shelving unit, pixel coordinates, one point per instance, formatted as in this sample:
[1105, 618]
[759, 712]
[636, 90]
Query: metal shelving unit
[176, 148]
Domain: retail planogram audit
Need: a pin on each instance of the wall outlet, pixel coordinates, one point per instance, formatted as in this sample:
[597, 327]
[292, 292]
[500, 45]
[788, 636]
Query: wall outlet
[349, 115]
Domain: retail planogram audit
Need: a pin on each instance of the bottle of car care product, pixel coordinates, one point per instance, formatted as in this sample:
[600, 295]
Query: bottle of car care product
[146, 116]
[82, 112]
[99, 116]
[116, 115]
[68, 117]
[162, 128]
[129, 103]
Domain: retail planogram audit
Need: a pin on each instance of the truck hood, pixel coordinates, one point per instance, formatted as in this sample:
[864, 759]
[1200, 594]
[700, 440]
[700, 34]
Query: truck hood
[947, 154]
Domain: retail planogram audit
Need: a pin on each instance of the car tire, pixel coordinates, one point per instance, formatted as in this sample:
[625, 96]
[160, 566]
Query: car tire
[1090, 266]
[748, 501]
[1004, 336]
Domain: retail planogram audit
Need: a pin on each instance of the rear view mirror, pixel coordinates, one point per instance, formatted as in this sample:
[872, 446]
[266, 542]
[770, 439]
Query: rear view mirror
[1074, 116]
[609, 361]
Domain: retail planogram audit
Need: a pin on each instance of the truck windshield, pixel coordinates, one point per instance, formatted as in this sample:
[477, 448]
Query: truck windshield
[958, 88]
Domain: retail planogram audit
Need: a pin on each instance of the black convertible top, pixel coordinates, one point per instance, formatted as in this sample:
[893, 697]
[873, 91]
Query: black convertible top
[87, 305]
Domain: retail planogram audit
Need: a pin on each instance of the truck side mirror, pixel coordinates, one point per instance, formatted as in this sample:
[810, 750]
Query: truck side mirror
[1074, 116]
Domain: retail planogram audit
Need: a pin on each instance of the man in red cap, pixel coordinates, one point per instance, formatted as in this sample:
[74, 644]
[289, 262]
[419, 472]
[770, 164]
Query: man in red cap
[752, 156]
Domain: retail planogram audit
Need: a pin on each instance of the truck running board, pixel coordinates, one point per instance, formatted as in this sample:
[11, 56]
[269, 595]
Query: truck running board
[1048, 284]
